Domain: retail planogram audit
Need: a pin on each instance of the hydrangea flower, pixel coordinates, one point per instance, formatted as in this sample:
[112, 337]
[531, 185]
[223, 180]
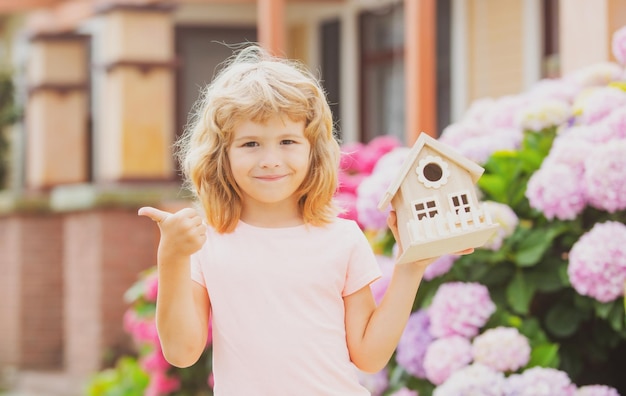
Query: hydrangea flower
[346, 203]
[572, 148]
[379, 286]
[460, 308]
[540, 381]
[501, 348]
[480, 148]
[598, 74]
[618, 45]
[556, 190]
[413, 344]
[605, 176]
[554, 88]
[503, 113]
[475, 379]
[374, 186]
[161, 384]
[506, 218]
[376, 383]
[542, 114]
[596, 390]
[454, 135]
[369, 194]
[613, 126]
[597, 262]
[439, 267]
[405, 392]
[445, 356]
[349, 160]
[601, 102]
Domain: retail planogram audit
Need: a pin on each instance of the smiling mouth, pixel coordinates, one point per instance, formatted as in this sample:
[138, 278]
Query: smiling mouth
[270, 177]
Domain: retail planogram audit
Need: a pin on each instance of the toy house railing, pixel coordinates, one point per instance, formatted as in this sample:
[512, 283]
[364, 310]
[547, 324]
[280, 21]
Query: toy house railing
[450, 223]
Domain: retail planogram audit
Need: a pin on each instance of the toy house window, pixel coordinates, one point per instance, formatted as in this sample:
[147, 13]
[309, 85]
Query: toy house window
[425, 208]
[432, 171]
[460, 202]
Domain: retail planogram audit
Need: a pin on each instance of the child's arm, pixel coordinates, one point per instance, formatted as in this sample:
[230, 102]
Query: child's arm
[183, 306]
[373, 332]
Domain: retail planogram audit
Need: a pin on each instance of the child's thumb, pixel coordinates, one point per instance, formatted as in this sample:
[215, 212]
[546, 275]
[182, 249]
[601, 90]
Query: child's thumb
[153, 213]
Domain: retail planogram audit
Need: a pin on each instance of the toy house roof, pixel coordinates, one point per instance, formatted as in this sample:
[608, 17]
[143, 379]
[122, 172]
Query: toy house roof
[424, 139]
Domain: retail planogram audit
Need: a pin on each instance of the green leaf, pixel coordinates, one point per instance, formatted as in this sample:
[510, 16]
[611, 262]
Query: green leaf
[519, 293]
[535, 244]
[547, 277]
[544, 355]
[563, 319]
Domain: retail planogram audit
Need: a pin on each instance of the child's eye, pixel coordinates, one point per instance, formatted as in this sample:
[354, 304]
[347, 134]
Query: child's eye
[250, 144]
[288, 141]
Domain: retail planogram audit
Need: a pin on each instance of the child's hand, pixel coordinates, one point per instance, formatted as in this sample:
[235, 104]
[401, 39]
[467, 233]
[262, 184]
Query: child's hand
[182, 233]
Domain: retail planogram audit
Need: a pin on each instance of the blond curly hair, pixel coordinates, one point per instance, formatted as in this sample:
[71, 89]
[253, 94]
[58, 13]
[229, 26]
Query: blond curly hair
[255, 86]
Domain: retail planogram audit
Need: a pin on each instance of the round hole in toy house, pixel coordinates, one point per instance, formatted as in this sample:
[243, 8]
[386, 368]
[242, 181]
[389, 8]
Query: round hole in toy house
[433, 172]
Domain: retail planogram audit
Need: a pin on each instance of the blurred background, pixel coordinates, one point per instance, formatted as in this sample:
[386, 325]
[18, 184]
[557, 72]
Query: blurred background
[94, 92]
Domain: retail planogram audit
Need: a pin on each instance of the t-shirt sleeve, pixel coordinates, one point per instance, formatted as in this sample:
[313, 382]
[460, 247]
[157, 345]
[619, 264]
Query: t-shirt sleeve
[196, 268]
[363, 267]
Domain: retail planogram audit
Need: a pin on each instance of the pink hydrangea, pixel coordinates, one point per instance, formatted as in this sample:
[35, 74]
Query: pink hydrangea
[154, 361]
[439, 267]
[346, 202]
[506, 218]
[349, 160]
[445, 356]
[597, 262]
[369, 194]
[605, 176]
[479, 149]
[151, 283]
[540, 381]
[600, 103]
[413, 344]
[349, 182]
[613, 126]
[554, 88]
[596, 390]
[571, 148]
[460, 308]
[597, 74]
[543, 113]
[503, 113]
[454, 135]
[379, 286]
[618, 45]
[475, 379]
[375, 383]
[501, 348]
[161, 384]
[405, 392]
[556, 190]
[373, 187]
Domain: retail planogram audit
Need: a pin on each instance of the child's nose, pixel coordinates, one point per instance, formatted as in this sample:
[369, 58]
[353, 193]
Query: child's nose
[270, 159]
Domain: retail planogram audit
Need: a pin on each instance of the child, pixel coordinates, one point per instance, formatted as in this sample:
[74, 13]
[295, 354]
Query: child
[283, 279]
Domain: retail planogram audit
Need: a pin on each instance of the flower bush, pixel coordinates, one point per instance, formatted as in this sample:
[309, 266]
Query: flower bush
[539, 309]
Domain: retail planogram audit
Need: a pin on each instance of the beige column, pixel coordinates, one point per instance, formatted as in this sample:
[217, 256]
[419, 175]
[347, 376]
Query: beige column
[585, 43]
[57, 110]
[271, 25]
[420, 70]
[136, 112]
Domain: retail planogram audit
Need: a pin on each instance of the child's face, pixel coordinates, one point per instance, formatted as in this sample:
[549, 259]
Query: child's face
[269, 161]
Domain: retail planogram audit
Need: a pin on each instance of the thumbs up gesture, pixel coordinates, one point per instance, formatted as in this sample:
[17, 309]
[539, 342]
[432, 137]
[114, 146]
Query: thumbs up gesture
[182, 233]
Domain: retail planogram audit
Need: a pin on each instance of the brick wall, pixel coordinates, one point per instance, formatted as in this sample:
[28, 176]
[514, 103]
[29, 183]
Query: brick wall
[104, 252]
[31, 293]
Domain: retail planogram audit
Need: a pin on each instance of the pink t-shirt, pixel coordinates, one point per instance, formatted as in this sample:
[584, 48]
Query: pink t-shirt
[277, 304]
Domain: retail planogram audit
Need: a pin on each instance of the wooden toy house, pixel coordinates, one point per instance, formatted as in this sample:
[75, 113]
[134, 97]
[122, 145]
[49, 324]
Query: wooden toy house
[434, 197]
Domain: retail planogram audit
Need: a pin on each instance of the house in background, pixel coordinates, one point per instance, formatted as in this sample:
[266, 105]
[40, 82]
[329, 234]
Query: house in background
[106, 86]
